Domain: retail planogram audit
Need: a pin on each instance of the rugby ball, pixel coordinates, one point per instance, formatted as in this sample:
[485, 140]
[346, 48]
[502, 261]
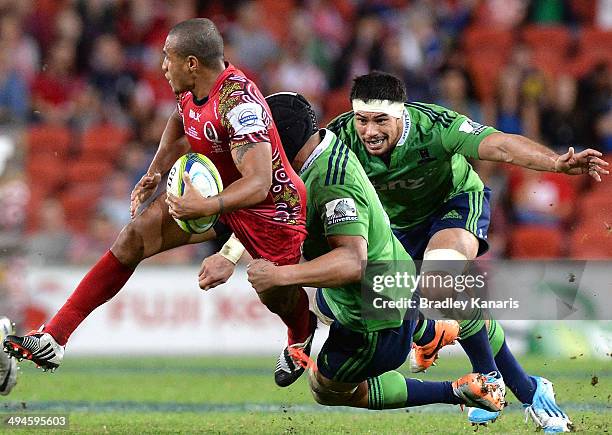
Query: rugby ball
[205, 177]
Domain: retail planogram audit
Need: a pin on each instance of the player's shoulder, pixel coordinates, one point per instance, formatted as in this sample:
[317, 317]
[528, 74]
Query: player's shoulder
[236, 83]
[330, 162]
[433, 113]
[341, 123]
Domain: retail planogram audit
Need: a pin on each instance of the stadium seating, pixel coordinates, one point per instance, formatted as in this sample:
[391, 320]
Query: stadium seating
[88, 171]
[80, 201]
[103, 141]
[485, 74]
[591, 240]
[547, 38]
[536, 242]
[46, 173]
[484, 40]
[335, 103]
[595, 206]
[50, 139]
[596, 42]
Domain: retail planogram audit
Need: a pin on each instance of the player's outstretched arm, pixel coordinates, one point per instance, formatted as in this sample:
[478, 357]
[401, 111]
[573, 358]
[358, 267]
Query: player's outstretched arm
[521, 151]
[342, 265]
[168, 151]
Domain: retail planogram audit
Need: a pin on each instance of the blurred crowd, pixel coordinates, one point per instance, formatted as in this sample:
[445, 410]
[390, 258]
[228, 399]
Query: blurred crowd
[83, 102]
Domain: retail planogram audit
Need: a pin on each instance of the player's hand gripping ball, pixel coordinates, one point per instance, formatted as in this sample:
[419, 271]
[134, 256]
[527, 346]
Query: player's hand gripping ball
[204, 177]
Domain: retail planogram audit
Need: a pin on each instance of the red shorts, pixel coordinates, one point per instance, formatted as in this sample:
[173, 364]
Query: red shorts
[264, 238]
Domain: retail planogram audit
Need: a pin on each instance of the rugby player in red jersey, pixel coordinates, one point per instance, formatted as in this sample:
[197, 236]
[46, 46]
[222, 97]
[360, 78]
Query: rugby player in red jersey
[223, 116]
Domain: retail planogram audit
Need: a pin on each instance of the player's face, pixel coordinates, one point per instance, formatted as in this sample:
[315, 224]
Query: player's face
[175, 69]
[378, 131]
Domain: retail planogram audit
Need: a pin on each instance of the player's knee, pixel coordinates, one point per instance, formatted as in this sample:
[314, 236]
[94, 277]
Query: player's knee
[129, 245]
[431, 286]
[280, 300]
[439, 269]
[327, 395]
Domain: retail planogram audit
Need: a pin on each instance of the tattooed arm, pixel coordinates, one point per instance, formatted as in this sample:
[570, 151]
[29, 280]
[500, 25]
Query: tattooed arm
[254, 161]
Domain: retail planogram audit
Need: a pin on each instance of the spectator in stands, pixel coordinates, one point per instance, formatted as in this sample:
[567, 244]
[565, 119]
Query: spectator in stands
[115, 201]
[361, 54]
[68, 26]
[14, 94]
[253, 44]
[296, 71]
[547, 12]
[49, 243]
[604, 131]
[520, 90]
[540, 198]
[55, 86]
[455, 93]
[88, 108]
[509, 117]
[562, 123]
[24, 51]
[85, 248]
[595, 94]
[108, 72]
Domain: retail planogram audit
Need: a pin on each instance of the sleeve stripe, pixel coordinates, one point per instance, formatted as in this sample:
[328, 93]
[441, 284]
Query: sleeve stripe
[443, 117]
[341, 150]
[330, 162]
[343, 173]
[340, 122]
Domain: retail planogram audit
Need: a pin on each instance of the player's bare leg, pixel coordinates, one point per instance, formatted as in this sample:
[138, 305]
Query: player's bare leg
[284, 301]
[391, 390]
[151, 232]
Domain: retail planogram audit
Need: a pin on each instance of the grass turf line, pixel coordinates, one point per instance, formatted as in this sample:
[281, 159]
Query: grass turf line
[248, 381]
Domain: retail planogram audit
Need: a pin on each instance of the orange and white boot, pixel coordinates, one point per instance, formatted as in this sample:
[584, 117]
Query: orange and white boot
[423, 357]
[481, 391]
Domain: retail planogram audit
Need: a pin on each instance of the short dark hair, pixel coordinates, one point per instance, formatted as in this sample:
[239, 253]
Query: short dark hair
[295, 120]
[198, 37]
[378, 85]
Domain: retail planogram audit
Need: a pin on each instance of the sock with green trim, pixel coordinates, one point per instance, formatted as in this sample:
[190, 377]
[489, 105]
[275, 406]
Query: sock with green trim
[520, 383]
[424, 332]
[474, 339]
[391, 390]
[427, 392]
[387, 391]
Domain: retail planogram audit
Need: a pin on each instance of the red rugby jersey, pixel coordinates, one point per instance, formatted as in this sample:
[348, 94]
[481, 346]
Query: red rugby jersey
[235, 113]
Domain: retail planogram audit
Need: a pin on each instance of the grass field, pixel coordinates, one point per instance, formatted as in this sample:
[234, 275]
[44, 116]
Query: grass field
[238, 395]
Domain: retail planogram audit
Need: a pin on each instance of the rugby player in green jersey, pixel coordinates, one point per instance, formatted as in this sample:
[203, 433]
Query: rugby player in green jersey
[347, 228]
[416, 155]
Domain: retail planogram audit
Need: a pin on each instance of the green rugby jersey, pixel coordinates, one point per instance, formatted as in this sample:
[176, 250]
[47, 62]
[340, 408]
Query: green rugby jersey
[427, 167]
[342, 201]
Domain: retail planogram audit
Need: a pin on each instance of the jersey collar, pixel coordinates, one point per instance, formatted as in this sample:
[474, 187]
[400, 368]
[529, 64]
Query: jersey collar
[229, 69]
[327, 139]
[406, 124]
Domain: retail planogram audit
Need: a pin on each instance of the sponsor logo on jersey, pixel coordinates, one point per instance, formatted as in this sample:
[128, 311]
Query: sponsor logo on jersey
[247, 118]
[453, 214]
[340, 210]
[191, 131]
[194, 115]
[210, 133]
[410, 184]
[470, 127]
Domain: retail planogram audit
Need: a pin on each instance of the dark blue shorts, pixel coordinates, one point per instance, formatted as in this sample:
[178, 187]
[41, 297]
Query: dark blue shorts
[468, 210]
[353, 356]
